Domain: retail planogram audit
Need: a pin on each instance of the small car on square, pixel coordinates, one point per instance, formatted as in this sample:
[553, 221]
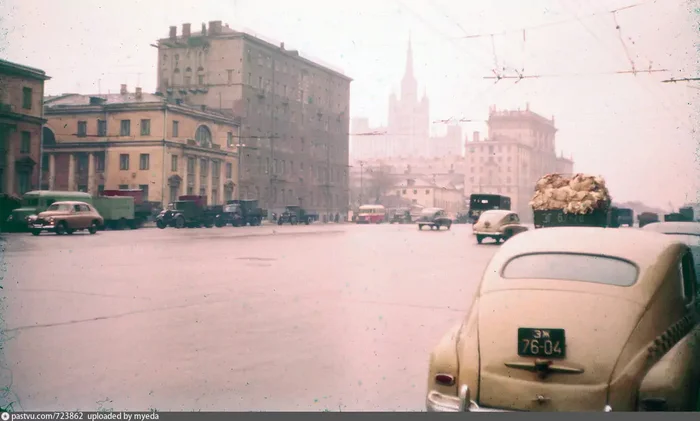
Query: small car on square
[497, 224]
[576, 319]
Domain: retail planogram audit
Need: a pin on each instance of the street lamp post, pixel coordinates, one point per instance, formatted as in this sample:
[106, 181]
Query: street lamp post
[240, 146]
[362, 190]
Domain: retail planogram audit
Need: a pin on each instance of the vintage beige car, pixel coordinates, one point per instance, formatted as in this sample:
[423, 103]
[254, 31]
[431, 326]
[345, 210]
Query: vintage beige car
[498, 224]
[66, 218]
[575, 319]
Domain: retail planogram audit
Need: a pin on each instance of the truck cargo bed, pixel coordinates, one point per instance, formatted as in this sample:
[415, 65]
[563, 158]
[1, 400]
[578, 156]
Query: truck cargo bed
[557, 218]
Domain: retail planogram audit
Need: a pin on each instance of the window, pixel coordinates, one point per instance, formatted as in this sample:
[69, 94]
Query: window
[24, 182]
[229, 170]
[229, 139]
[124, 162]
[200, 79]
[145, 127]
[100, 161]
[144, 187]
[125, 128]
[27, 98]
[123, 187]
[82, 128]
[260, 83]
[427, 192]
[415, 191]
[144, 161]
[176, 128]
[572, 267]
[26, 143]
[100, 189]
[101, 127]
[688, 277]
[230, 76]
[173, 163]
[203, 136]
[173, 193]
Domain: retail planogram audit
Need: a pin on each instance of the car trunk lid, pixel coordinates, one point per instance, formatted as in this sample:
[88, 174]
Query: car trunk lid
[573, 348]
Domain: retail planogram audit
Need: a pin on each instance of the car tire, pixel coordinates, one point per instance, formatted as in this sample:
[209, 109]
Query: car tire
[449, 226]
[161, 224]
[61, 228]
[36, 232]
[479, 239]
[420, 227]
[279, 222]
[179, 222]
[92, 229]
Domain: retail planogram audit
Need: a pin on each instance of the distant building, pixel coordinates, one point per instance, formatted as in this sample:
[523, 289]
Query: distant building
[294, 112]
[139, 141]
[519, 150]
[408, 128]
[448, 145]
[430, 194]
[21, 120]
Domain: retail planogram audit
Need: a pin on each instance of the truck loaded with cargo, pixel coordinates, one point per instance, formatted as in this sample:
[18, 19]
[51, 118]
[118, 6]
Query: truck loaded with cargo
[572, 200]
[144, 210]
[188, 211]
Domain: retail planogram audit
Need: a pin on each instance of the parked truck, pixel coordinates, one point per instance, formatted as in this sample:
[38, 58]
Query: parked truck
[144, 210]
[187, 211]
[646, 218]
[241, 213]
[573, 200]
[118, 212]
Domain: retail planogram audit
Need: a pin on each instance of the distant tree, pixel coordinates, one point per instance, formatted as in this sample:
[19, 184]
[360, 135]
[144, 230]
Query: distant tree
[379, 182]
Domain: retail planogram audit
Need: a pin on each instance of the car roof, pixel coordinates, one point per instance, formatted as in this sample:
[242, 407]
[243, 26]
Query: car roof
[498, 212]
[651, 252]
[674, 227]
[69, 202]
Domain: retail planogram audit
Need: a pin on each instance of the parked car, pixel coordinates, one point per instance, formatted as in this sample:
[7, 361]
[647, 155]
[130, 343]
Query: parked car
[686, 232]
[434, 218]
[66, 218]
[498, 224]
[575, 319]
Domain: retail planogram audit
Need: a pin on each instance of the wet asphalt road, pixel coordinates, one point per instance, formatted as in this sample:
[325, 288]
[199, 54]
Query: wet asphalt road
[300, 318]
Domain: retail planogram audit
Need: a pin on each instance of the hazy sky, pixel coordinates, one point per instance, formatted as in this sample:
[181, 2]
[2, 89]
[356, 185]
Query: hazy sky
[634, 130]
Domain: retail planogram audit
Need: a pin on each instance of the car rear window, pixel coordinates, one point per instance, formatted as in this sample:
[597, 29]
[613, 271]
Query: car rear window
[572, 267]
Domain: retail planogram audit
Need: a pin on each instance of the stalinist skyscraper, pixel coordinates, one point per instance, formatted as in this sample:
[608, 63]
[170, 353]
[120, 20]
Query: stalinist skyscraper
[409, 117]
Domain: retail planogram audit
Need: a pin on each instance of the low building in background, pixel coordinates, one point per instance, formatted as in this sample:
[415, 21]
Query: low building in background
[21, 120]
[139, 141]
[430, 194]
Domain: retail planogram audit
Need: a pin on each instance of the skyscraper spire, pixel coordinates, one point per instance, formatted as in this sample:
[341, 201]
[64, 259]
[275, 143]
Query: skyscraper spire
[409, 59]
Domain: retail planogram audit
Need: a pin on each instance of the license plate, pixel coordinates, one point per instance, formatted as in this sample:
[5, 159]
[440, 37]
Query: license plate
[541, 342]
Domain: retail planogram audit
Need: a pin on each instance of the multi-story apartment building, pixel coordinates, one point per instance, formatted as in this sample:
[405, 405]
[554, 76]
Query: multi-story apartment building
[139, 141]
[21, 120]
[519, 150]
[294, 112]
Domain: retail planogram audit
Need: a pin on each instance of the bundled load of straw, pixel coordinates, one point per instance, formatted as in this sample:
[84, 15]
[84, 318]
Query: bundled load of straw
[579, 194]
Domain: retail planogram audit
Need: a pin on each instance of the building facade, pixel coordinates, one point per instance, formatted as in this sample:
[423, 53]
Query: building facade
[294, 112]
[139, 141]
[21, 121]
[519, 150]
[431, 194]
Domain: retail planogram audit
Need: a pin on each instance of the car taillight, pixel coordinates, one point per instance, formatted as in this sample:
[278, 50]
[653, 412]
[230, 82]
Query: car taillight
[445, 379]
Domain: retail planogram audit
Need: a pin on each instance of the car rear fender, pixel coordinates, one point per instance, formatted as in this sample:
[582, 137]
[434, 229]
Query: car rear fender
[664, 314]
[672, 382]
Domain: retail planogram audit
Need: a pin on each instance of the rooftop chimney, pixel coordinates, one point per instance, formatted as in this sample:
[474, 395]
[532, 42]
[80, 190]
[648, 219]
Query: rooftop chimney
[138, 93]
[173, 32]
[204, 29]
[476, 136]
[123, 90]
[186, 30]
[214, 27]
